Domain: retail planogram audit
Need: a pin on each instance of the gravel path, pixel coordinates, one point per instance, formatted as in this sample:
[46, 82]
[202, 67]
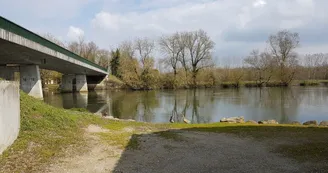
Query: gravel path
[203, 152]
[194, 152]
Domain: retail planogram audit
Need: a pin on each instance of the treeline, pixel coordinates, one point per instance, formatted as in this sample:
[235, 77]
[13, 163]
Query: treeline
[187, 62]
[88, 50]
[186, 53]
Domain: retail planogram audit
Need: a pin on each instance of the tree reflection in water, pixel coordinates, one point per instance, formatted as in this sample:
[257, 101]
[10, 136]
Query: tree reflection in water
[203, 105]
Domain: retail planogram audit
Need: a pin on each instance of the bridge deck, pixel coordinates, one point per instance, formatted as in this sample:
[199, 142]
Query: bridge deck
[21, 46]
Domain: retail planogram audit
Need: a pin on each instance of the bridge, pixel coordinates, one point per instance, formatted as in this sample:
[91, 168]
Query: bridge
[26, 52]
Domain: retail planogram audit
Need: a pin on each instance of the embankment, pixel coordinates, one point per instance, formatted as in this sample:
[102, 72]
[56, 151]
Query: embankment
[9, 113]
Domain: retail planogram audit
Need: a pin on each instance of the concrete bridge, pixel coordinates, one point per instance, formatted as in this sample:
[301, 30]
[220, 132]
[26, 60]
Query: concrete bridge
[26, 52]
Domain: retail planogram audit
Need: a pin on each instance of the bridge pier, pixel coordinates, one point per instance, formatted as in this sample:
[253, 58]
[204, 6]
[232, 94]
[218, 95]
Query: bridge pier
[97, 82]
[7, 73]
[30, 80]
[67, 83]
[81, 83]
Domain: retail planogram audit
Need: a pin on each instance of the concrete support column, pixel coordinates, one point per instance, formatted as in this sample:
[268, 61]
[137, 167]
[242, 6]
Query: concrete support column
[97, 82]
[7, 73]
[81, 83]
[30, 80]
[67, 83]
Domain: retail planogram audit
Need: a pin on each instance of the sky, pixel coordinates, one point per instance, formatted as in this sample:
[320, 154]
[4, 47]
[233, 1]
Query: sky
[236, 26]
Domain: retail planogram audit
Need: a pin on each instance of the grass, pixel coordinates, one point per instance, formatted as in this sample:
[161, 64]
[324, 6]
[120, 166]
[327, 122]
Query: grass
[79, 109]
[309, 83]
[170, 135]
[120, 140]
[250, 84]
[229, 85]
[44, 134]
[47, 133]
[114, 79]
[52, 87]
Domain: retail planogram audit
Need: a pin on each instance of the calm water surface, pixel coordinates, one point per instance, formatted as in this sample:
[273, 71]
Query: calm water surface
[203, 105]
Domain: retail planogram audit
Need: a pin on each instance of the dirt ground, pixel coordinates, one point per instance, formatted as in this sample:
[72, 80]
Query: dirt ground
[190, 152]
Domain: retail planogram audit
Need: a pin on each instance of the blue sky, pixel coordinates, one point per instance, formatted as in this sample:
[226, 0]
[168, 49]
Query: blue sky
[237, 26]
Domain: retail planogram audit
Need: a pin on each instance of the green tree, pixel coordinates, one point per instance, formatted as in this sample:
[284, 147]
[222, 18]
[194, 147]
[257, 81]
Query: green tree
[115, 63]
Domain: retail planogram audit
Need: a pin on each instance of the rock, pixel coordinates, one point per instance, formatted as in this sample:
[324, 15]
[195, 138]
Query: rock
[251, 122]
[104, 114]
[268, 122]
[186, 121]
[312, 122]
[233, 120]
[111, 118]
[295, 123]
[324, 123]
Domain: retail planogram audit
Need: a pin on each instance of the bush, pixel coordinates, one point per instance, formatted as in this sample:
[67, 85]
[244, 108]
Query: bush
[309, 83]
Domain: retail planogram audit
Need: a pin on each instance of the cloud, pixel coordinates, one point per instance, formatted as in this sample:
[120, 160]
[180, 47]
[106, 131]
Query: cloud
[236, 26]
[259, 3]
[105, 20]
[45, 9]
[74, 33]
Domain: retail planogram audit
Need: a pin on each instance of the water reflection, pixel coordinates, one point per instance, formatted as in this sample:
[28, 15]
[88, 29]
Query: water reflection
[203, 105]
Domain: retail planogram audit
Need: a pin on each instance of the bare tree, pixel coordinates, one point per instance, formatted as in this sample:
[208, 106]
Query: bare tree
[77, 46]
[282, 45]
[103, 57]
[199, 47]
[313, 62]
[90, 51]
[262, 63]
[127, 49]
[183, 56]
[144, 47]
[53, 39]
[325, 66]
[169, 46]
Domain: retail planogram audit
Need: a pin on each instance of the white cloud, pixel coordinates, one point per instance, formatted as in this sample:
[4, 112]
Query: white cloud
[45, 9]
[105, 20]
[74, 33]
[259, 3]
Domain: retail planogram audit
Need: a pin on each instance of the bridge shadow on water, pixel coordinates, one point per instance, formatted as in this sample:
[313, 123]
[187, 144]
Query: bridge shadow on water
[232, 149]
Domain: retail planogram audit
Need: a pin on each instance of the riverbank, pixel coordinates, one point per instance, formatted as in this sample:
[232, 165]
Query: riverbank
[113, 83]
[54, 140]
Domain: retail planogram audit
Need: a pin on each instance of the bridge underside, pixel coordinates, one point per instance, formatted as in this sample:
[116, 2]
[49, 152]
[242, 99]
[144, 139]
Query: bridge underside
[11, 53]
[76, 76]
[24, 51]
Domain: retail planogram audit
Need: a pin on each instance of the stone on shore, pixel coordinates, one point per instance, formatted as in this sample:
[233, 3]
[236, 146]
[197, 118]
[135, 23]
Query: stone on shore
[295, 123]
[324, 123]
[233, 120]
[111, 118]
[311, 123]
[268, 122]
[251, 122]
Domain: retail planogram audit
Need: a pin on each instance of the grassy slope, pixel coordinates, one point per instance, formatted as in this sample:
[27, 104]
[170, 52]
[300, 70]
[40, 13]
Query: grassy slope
[47, 132]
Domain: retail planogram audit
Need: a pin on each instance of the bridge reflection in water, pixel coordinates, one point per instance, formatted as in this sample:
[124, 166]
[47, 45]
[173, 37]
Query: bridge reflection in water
[93, 101]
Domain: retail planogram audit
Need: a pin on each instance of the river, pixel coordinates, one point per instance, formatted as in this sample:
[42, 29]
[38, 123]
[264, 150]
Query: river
[202, 105]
